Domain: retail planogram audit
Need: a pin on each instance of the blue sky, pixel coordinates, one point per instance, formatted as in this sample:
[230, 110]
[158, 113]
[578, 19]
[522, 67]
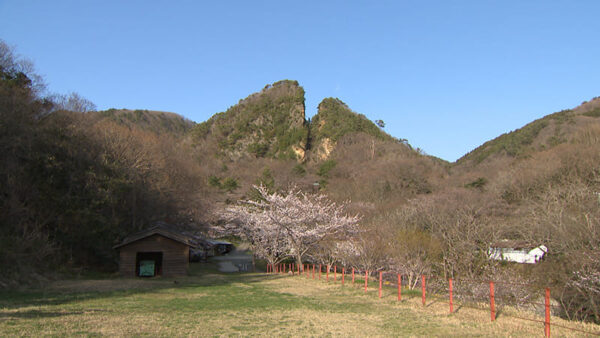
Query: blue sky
[446, 75]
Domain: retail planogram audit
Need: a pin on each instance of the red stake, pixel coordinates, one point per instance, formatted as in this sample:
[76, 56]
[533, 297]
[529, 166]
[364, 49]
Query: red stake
[423, 289]
[399, 287]
[328, 273]
[319, 271]
[380, 273]
[366, 279]
[492, 301]
[547, 321]
[343, 274]
[352, 276]
[313, 271]
[450, 292]
[335, 273]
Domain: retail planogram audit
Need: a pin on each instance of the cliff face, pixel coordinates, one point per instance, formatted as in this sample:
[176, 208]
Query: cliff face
[269, 123]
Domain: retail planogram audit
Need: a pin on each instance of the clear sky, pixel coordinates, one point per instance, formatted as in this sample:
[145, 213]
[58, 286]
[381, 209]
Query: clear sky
[446, 75]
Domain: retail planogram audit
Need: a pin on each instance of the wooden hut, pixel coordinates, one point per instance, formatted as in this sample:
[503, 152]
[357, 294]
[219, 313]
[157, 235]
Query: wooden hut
[157, 251]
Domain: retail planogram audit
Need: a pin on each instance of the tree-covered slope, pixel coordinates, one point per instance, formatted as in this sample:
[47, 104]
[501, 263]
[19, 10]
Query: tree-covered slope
[542, 134]
[269, 123]
[155, 121]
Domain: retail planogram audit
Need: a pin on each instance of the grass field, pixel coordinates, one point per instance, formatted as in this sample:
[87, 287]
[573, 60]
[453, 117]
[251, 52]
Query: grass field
[208, 303]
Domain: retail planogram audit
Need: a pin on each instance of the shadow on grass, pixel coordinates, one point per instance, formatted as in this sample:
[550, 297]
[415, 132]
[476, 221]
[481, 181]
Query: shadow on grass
[43, 314]
[200, 276]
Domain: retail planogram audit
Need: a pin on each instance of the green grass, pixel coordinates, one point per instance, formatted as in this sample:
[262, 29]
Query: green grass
[211, 304]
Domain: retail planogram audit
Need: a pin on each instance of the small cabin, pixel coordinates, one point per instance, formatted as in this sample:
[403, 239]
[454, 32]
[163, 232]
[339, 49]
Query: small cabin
[517, 251]
[157, 251]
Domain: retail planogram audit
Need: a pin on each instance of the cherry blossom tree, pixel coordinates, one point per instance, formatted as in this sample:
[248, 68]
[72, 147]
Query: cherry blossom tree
[266, 239]
[306, 219]
[293, 222]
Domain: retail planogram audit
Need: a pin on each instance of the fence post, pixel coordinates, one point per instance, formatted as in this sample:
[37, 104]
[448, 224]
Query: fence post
[335, 273]
[343, 275]
[313, 272]
[319, 271]
[399, 287]
[423, 289]
[352, 276]
[547, 321]
[450, 292]
[328, 273]
[366, 279]
[492, 302]
[380, 274]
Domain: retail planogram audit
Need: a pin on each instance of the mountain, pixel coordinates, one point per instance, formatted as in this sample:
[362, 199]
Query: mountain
[270, 123]
[539, 135]
[155, 121]
[333, 120]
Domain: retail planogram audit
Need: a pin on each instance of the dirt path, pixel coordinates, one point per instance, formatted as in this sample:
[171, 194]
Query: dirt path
[236, 261]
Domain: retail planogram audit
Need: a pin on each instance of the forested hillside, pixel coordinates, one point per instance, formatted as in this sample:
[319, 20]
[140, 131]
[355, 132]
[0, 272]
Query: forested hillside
[73, 184]
[75, 181]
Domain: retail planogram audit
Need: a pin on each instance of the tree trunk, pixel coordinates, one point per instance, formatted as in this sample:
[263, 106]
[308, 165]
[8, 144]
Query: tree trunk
[299, 262]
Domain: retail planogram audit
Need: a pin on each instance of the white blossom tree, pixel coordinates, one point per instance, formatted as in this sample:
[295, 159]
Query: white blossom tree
[266, 239]
[306, 219]
[292, 222]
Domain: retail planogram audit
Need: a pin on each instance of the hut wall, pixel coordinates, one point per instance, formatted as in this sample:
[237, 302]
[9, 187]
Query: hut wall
[175, 255]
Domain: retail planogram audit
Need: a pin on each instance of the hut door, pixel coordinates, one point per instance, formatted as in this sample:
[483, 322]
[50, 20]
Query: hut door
[148, 264]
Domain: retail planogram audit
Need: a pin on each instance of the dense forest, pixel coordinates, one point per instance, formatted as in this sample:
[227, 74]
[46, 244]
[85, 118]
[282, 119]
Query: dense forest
[75, 180]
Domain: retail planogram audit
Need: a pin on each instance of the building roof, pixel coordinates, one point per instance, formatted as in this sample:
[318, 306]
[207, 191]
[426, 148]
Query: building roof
[514, 244]
[166, 230]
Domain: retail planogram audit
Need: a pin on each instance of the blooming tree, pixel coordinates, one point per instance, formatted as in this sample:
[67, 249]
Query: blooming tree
[306, 219]
[266, 239]
[292, 222]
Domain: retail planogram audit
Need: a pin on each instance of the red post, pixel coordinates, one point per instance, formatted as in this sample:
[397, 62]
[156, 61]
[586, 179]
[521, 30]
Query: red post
[343, 275]
[547, 321]
[366, 280]
[328, 273]
[399, 287]
[319, 271]
[352, 276]
[380, 273]
[335, 273]
[450, 292]
[492, 301]
[423, 286]
[313, 271]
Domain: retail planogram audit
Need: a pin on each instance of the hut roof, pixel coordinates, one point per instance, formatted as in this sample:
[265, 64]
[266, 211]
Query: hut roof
[165, 230]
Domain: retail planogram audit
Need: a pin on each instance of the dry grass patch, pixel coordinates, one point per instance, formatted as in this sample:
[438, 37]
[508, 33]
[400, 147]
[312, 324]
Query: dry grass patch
[242, 305]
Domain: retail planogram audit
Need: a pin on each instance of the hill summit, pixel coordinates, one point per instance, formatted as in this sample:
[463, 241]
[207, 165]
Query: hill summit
[272, 124]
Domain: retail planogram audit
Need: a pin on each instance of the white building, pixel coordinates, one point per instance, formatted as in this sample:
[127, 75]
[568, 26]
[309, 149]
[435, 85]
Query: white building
[517, 251]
